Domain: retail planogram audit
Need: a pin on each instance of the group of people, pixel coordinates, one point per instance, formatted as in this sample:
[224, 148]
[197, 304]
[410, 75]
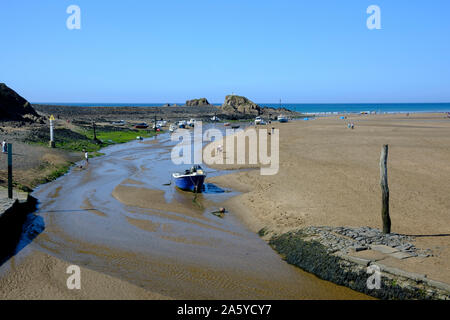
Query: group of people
[351, 125]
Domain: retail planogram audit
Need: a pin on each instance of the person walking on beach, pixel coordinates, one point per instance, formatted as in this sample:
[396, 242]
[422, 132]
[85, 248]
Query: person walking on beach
[4, 147]
[86, 157]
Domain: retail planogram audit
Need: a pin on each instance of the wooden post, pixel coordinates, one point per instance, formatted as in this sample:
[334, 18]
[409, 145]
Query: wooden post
[384, 190]
[10, 181]
[155, 122]
[95, 134]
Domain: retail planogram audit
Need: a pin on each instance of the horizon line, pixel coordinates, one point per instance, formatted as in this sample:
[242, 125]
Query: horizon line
[220, 103]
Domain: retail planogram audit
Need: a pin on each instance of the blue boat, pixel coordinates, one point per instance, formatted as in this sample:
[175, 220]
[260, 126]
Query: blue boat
[282, 118]
[190, 180]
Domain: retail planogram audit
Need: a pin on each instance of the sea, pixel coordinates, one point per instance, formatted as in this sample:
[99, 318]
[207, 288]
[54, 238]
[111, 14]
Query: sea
[306, 108]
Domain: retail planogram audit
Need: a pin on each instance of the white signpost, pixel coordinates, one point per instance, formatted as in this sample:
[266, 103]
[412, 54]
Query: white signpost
[52, 141]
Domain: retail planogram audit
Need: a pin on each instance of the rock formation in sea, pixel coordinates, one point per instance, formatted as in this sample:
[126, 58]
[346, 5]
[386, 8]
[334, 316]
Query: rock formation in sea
[13, 107]
[238, 104]
[197, 102]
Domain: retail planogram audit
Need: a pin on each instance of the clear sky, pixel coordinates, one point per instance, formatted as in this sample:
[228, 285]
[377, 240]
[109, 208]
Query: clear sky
[169, 51]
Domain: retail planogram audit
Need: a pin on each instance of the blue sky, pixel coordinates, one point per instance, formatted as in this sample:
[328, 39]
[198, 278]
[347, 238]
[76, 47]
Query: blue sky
[169, 51]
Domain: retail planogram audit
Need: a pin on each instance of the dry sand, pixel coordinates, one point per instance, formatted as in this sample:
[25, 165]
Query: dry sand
[329, 175]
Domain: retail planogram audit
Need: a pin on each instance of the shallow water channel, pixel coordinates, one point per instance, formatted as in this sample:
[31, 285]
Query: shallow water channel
[123, 216]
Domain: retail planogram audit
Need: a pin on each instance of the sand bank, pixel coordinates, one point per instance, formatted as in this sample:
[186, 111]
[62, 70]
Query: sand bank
[329, 175]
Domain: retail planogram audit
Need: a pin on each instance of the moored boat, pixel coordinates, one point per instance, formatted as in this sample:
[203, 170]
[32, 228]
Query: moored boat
[259, 121]
[142, 125]
[191, 123]
[282, 118]
[190, 180]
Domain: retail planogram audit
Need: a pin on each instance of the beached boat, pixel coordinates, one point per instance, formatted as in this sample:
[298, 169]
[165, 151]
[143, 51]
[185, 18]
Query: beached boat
[235, 126]
[190, 180]
[182, 124]
[226, 124]
[172, 128]
[282, 118]
[191, 123]
[142, 125]
[215, 118]
[259, 121]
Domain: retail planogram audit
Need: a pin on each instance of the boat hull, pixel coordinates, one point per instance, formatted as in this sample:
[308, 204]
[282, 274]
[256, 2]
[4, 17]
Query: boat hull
[190, 183]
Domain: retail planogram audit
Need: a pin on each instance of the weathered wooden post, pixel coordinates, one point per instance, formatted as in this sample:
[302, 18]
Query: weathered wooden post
[95, 134]
[155, 122]
[10, 181]
[384, 190]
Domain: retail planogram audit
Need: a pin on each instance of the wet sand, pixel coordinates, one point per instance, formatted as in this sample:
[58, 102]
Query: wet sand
[39, 276]
[329, 175]
[118, 218]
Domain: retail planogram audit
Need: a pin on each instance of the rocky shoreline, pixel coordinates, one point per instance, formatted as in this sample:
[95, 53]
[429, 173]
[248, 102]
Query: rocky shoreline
[327, 252]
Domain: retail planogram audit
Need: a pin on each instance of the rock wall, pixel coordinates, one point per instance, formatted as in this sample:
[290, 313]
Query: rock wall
[321, 251]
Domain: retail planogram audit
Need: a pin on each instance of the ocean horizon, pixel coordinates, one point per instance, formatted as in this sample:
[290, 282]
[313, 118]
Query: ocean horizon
[306, 108]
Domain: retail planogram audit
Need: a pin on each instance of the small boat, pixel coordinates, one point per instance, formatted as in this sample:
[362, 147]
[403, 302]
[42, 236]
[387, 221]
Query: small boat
[215, 118]
[172, 128]
[142, 125]
[259, 121]
[191, 123]
[182, 124]
[190, 180]
[235, 126]
[226, 124]
[282, 118]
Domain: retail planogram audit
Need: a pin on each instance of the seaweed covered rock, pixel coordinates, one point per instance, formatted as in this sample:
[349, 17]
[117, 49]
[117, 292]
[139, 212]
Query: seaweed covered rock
[13, 107]
[242, 105]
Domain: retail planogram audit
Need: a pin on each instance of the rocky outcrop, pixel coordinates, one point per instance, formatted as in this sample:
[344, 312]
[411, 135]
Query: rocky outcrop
[239, 104]
[13, 107]
[197, 102]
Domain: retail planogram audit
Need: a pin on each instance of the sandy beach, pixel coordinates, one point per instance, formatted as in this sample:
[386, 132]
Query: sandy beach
[329, 176]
